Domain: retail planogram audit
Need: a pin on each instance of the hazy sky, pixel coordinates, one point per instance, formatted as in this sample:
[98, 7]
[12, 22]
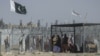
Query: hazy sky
[51, 10]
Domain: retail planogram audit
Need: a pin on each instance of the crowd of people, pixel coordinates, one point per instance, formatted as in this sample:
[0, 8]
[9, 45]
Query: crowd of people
[28, 43]
[64, 44]
[55, 44]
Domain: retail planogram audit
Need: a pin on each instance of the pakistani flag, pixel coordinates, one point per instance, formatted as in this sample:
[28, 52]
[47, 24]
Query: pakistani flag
[18, 8]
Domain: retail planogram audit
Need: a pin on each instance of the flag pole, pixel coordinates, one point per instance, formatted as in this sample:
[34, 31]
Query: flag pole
[20, 9]
[85, 17]
[11, 5]
[0, 43]
[74, 30]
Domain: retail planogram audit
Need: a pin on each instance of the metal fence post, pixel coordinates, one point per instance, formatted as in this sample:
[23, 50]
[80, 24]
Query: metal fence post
[0, 44]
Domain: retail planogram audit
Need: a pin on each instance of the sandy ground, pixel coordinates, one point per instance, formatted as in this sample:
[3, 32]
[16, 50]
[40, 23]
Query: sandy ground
[37, 53]
[50, 54]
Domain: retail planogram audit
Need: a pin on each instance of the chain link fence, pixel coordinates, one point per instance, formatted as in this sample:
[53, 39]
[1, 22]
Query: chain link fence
[27, 40]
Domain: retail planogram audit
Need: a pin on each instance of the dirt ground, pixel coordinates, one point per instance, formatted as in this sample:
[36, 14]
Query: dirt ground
[37, 53]
[49, 54]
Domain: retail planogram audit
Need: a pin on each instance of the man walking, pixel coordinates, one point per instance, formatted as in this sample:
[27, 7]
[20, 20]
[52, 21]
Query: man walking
[21, 43]
[6, 44]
